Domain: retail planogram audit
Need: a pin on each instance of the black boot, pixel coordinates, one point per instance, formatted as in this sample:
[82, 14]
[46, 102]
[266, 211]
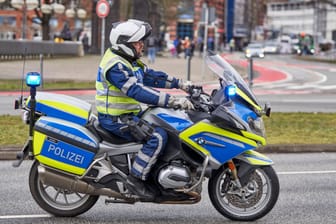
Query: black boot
[139, 188]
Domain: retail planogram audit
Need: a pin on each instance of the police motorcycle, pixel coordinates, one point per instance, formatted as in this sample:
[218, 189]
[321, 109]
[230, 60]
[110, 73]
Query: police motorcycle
[75, 160]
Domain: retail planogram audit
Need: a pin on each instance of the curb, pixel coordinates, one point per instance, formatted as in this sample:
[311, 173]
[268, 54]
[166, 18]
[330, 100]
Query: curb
[9, 153]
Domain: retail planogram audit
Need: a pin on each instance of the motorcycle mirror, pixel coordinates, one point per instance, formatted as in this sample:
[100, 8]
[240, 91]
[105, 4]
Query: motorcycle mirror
[267, 109]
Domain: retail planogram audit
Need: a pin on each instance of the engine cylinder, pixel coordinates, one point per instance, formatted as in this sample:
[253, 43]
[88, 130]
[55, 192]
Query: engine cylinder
[173, 176]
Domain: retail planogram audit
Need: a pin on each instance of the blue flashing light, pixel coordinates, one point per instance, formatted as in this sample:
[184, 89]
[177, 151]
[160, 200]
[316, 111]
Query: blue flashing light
[33, 79]
[231, 90]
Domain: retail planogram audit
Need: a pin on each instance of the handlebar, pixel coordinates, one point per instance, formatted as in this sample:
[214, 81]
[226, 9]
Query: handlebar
[200, 99]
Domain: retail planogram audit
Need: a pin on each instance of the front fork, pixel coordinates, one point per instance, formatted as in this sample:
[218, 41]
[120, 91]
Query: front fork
[232, 167]
[240, 180]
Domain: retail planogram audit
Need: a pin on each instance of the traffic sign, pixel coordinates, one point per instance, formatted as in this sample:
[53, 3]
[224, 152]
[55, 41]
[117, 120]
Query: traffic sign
[102, 8]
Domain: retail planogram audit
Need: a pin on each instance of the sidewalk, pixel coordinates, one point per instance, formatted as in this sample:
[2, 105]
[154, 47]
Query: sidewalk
[85, 68]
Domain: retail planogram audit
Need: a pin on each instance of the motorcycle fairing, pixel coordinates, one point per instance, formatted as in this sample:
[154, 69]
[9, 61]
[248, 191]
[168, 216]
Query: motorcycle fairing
[177, 123]
[255, 158]
[248, 100]
[64, 145]
[219, 143]
[63, 107]
[261, 140]
[248, 117]
[243, 112]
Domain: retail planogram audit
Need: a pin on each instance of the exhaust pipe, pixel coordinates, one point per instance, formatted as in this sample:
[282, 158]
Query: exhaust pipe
[52, 178]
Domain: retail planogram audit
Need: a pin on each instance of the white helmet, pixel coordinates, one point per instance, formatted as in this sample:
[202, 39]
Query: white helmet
[124, 33]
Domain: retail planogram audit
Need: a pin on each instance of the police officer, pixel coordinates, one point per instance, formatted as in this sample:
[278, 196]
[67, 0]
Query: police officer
[123, 82]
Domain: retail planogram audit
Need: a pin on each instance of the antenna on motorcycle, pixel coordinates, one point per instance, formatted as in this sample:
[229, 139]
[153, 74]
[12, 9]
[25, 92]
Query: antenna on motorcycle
[18, 102]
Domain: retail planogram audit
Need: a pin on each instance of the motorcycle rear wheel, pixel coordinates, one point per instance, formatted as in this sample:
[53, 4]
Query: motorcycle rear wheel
[252, 202]
[57, 201]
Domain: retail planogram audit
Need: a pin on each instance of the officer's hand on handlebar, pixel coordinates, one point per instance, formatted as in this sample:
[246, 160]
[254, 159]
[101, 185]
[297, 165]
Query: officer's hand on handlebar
[180, 103]
[185, 85]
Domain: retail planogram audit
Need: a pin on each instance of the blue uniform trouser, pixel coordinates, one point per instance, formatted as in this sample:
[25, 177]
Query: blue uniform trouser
[150, 150]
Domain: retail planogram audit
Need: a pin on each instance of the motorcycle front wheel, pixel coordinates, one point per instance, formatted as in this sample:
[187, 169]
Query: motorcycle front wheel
[57, 201]
[252, 201]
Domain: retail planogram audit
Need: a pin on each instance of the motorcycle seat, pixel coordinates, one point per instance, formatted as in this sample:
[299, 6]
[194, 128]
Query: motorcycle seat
[107, 136]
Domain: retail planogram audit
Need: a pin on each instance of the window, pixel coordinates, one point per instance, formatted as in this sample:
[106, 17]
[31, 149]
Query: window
[334, 35]
[185, 30]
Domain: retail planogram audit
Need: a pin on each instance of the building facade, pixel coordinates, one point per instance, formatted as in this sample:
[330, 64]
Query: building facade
[14, 23]
[317, 18]
[242, 20]
[189, 21]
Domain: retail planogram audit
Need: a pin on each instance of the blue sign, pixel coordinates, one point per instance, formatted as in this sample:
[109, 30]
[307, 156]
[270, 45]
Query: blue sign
[66, 153]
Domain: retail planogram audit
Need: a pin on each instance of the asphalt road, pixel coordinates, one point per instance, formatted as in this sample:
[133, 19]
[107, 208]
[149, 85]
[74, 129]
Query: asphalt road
[309, 102]
[307, 196]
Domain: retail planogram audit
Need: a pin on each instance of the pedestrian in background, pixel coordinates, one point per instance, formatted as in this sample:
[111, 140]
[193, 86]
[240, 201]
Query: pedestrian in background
[178, 46]
[151, 48]
[187, 47]
[172, 49]
[211, 44]
[200, 45]
[85, 42]
[232, 45]
[66, 33]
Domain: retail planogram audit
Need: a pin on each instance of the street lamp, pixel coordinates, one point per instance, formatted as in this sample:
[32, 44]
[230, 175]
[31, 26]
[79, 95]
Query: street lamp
[73, 11]
[24, 5]
[58, 8]
[81, 13]
[47, 8]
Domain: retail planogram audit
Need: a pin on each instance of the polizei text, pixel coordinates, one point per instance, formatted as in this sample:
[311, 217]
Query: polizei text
[68, 155]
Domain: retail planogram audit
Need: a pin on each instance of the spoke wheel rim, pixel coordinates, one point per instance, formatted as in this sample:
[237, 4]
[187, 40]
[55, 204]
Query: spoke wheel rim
[249, 201]
[61, 199]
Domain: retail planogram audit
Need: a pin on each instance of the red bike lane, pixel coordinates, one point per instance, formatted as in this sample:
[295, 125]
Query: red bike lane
[265, 74]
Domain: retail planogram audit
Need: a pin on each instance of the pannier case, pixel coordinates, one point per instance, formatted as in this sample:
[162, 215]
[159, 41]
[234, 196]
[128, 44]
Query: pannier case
[64, 145]
[63, 106]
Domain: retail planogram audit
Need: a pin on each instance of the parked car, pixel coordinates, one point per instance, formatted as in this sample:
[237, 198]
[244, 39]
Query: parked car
[271, 48]
[254, 50]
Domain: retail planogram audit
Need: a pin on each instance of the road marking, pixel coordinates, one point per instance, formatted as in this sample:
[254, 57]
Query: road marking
[305, 100]
[279, 173]
[25, 216]
[307, 172]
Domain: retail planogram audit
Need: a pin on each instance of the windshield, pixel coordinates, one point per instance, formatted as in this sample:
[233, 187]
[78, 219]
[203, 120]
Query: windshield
[228, 74]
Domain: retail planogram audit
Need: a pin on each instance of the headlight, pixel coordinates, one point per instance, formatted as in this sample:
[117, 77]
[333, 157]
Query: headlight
[257, 126]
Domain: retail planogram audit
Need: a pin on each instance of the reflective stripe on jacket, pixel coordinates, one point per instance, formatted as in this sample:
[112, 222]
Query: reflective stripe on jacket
[109, 99]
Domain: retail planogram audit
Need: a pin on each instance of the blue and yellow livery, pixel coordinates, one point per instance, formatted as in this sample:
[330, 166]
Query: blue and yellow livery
[62, 106]
[64, 145]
